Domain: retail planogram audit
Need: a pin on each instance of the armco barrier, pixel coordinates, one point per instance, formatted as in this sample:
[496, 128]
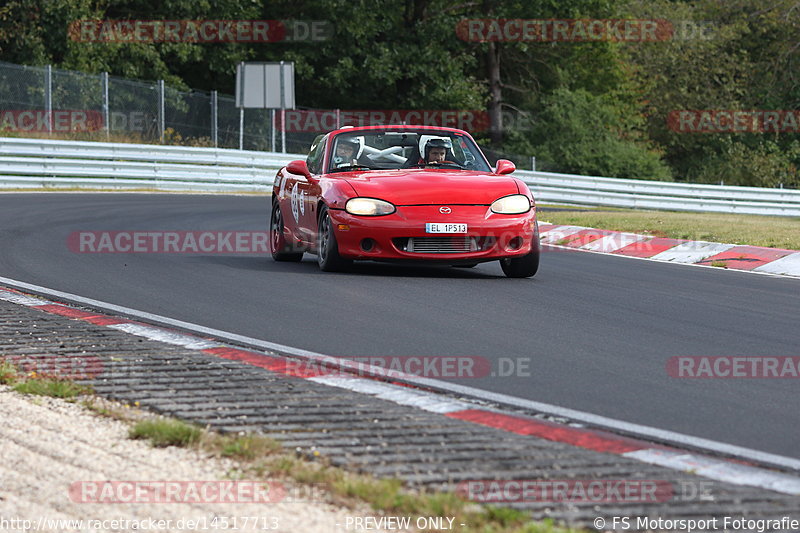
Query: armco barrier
[613, 192]
[37, 163]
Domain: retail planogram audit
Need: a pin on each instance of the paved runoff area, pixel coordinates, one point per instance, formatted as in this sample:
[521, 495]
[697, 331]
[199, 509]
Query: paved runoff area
[508, 459]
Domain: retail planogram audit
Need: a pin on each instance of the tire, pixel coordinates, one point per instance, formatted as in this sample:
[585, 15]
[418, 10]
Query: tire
[327, 248]
[525, 266]
[521, 267]
[470, 265]
[281, 250]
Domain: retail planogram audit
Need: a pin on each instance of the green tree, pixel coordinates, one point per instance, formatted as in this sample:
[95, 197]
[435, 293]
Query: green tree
[586, 134]
[384, 54]
[36, 32]
[743, 57]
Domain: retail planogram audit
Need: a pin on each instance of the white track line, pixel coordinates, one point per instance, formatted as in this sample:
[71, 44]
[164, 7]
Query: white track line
[720, 470]
[22, 299]
[163, 335]
[435, 403]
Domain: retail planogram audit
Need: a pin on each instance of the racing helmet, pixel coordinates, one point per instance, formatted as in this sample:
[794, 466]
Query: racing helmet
[351, 142]
[437, 142]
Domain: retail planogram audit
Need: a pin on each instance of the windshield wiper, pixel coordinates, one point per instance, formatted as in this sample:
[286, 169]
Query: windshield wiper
[347, 168]
[439, 164]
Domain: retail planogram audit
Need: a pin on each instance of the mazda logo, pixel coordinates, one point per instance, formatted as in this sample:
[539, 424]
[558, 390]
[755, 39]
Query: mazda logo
[445, 210]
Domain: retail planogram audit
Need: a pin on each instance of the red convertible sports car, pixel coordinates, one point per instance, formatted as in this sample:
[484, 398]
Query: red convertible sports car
[403, 193]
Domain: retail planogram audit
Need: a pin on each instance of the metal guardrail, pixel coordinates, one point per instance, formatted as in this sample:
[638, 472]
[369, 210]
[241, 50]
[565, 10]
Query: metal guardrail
[549, 187]
[37, 163]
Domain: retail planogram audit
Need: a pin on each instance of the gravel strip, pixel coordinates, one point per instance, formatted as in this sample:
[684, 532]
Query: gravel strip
[48, 445]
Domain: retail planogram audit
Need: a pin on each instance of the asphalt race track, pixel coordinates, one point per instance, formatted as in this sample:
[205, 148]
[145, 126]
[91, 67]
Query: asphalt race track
[597, 330]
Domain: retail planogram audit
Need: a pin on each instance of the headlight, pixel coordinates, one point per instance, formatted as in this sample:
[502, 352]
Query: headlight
[369, 207]
[516, 204]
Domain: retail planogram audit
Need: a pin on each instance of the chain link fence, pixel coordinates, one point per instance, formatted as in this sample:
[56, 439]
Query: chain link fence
[22, 87]
[50, 102]
[45, 101]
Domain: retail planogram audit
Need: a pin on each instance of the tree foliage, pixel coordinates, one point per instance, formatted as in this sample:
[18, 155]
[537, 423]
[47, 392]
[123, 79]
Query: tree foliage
[593, 137]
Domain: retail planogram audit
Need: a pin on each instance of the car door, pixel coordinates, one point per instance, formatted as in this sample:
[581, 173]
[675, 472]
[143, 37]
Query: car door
[304, 193]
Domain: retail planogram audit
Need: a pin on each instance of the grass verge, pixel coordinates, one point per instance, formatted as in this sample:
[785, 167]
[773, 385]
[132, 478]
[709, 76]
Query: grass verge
[771, 232]
[165, 432]
[8, 373]
[40, 385]
[55, 388]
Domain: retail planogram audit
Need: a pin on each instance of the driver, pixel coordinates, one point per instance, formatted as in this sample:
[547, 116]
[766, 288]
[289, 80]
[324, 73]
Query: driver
[436, 151]
[346, 151]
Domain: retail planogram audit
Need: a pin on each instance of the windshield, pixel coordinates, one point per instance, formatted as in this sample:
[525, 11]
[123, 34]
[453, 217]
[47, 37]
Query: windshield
[388, 149]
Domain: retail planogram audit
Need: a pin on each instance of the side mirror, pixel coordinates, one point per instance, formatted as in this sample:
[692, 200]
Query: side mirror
[299, 167]
[504, 166]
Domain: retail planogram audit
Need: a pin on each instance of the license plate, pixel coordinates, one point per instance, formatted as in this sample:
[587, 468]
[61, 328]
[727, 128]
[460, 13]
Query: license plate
[441, 227]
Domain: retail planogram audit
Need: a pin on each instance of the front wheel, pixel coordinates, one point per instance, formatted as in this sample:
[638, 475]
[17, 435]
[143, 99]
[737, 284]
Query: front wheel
[521, 267]
[525, 266]
[327, 248]
[281, 250]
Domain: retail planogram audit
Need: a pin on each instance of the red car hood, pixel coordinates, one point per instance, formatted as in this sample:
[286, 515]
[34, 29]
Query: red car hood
[415, 187]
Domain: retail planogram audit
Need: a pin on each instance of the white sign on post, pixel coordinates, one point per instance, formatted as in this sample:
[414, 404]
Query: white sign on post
[265, 86]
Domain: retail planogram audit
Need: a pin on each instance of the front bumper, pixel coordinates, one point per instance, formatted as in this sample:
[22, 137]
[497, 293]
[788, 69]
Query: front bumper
[402, 235]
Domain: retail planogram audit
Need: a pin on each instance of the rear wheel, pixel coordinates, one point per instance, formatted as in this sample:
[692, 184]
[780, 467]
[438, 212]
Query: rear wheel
[327, 248]
[280, 248]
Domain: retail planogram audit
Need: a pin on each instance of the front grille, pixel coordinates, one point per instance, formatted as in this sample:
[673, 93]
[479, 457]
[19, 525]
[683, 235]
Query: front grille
[442, 245]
